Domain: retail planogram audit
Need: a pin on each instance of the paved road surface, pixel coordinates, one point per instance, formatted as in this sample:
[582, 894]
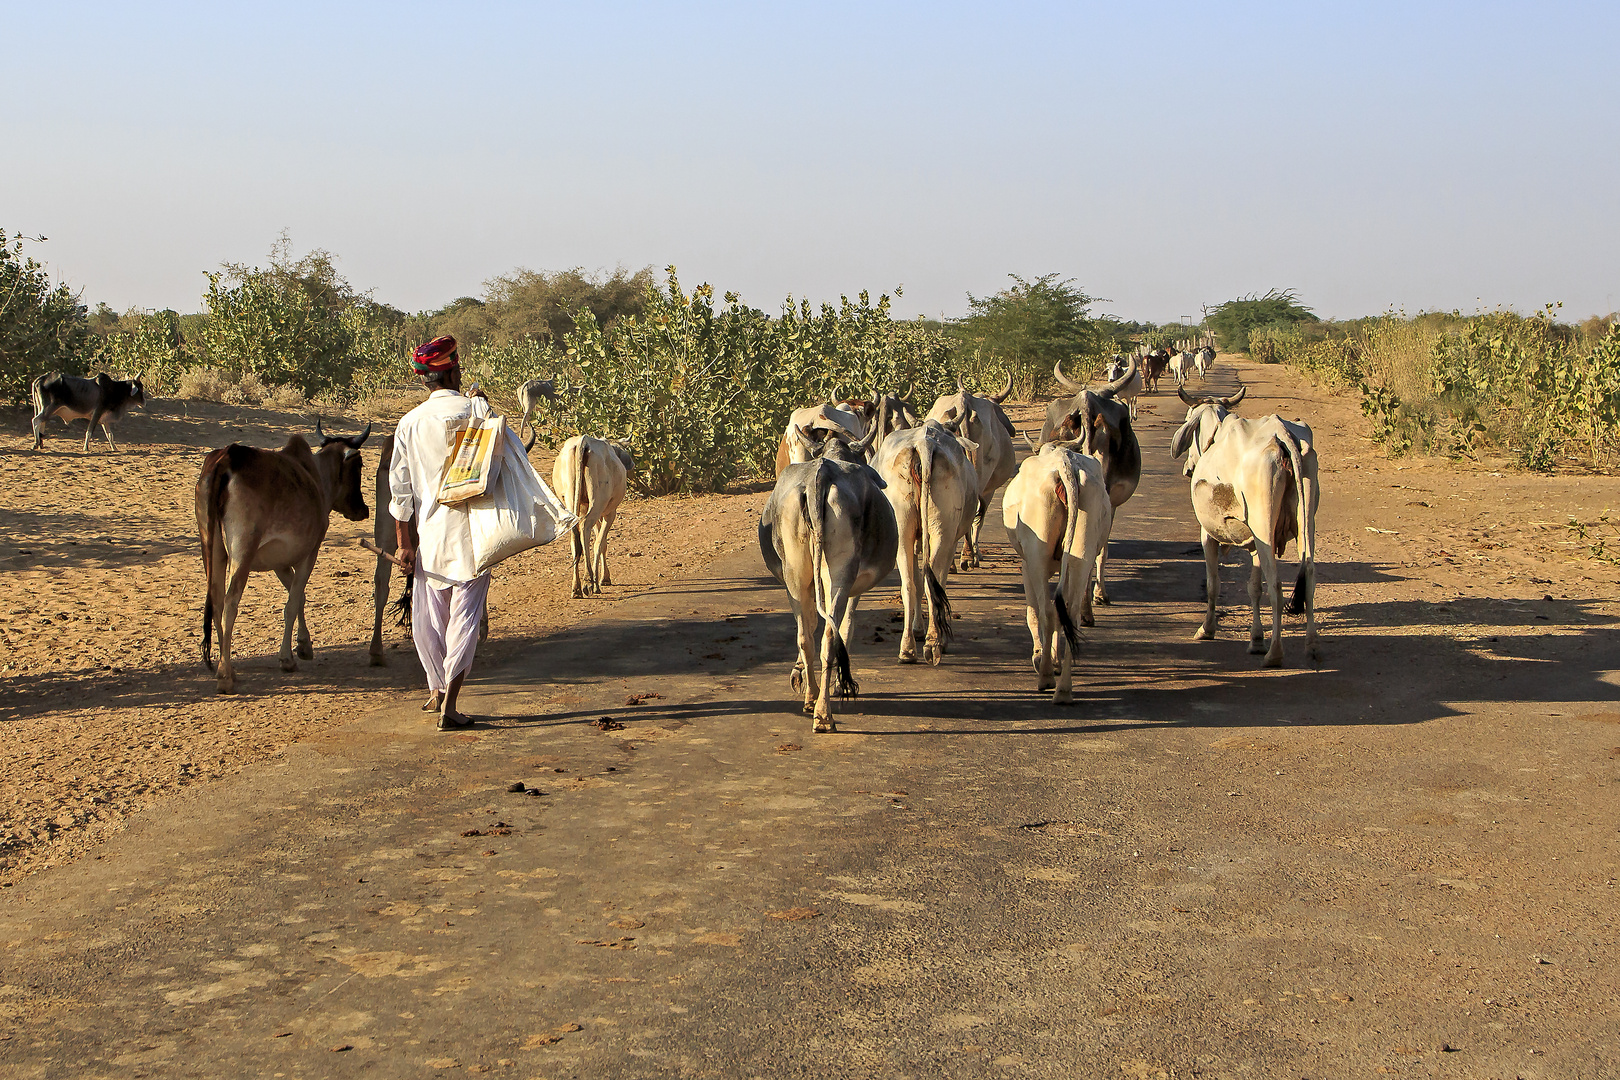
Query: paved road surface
[1199, 869]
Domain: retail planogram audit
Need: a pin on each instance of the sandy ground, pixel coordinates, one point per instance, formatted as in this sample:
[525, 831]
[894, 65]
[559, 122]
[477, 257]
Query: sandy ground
[107, 707]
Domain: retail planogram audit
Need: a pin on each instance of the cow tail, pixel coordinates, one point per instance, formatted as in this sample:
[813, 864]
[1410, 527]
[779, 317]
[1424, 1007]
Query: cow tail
[581, 495]
[36, 394]
[1303, 490]
[1071, 519]
[401, 608]
[213, 545]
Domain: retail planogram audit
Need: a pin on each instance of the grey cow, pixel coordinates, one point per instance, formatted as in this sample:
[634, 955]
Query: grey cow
[828, 534]
[102, 400]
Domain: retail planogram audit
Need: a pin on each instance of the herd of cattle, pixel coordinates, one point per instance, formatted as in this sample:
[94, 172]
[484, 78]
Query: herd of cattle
[863, 487]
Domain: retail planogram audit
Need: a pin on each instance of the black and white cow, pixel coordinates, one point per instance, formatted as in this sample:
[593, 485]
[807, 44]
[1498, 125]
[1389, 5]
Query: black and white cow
[828, 534]
[102, 400]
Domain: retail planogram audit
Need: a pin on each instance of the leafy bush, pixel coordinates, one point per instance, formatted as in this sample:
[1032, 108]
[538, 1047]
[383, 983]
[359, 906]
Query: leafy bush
[703, 394]
[1526, 386]
[1236, 320]
[43, 327]
[1031, 326]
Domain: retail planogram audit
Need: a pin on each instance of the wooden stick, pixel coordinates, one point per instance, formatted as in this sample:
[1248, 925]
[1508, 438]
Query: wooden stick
[375, 550]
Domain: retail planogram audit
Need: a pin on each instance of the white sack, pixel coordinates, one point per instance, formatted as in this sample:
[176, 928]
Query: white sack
[517, 512]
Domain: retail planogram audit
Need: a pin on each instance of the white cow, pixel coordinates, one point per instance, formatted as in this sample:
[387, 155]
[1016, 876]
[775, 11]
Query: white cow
[590, 476]
[934, 490]
[987, 426]
[1204, 361]
[1058, 513]
[1127, 376]
[828, 534]
[808, 427]
[1178, 365]
[1255, 487]
[1204, 415]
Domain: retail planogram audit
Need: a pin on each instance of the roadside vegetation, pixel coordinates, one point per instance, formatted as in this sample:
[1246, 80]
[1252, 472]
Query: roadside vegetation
[702, 388]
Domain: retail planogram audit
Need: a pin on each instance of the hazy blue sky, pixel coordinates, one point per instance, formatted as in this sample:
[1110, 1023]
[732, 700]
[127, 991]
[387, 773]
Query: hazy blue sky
[1165, 155]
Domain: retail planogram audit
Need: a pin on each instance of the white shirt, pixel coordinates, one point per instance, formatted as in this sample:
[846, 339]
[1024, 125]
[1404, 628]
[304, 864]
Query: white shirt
[421, 444]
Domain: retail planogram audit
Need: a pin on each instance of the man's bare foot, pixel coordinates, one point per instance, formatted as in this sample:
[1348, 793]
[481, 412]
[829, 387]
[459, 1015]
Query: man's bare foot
[435, 699]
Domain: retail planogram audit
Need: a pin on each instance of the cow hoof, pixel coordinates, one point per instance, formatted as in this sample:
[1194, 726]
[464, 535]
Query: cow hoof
[1043, 685]
[1314, 653]
[1102, 598]
[1035, 661]
[933, 654]
[1273, 661]
[826, 726]
[379, 660]
[226, 686]
[1088, 620]
[796, 680]
[1204, 633]
[289, 664]
[908, 658]
[1257, 646]
[809, 708]
[305, 652]
[1063, 697]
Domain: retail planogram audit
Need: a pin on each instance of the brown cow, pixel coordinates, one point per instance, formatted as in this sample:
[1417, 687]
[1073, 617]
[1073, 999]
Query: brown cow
[268, 510]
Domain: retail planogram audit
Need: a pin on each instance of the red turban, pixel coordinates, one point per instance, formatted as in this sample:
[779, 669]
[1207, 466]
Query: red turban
[437, 355]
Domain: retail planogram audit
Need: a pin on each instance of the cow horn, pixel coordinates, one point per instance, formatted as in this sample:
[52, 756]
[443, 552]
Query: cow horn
[1231, 402]
[1005, 390]
[864, 445]
[1123, 381]
[355, 442]
[1063, 380]
[319, 434]
[1030, 441]
[1181, 393]
[961, 387]
[954, 425]
[911, 389]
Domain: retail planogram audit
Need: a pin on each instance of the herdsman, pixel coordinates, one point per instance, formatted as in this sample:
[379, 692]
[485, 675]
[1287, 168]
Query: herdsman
[448, 593]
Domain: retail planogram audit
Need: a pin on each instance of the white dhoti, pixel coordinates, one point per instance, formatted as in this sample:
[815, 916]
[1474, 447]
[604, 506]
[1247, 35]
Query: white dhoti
[444, 625]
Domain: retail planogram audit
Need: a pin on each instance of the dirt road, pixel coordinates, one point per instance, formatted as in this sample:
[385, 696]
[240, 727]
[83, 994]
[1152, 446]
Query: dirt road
[1400, 863]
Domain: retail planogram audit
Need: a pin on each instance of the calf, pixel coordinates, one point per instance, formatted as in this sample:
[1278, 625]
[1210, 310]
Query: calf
[934, 491]
[1058, 513]
[590, 476]
[102, 400]
[529, 396]
[268, 510]
[828, 534]
[1255, 487]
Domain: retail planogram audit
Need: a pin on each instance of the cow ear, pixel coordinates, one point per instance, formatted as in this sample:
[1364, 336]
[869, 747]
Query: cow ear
[1208, 428]
[1183, 440]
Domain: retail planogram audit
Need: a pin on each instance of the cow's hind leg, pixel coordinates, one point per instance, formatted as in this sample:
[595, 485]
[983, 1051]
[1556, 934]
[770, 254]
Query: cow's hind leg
[1265, 562]
[603, 577]
[1212, 587]
[90, 429]
[236, 578]
[909, 598]
[289, 616]
[576, 547]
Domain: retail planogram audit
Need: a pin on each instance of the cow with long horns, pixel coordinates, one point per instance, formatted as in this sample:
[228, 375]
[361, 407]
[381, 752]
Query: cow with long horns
[1204, 416]
[828, 534]
[268, 510]
[1096, 422]
[981, 421]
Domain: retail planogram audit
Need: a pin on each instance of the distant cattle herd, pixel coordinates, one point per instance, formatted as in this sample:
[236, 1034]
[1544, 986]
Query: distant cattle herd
[863, 486]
